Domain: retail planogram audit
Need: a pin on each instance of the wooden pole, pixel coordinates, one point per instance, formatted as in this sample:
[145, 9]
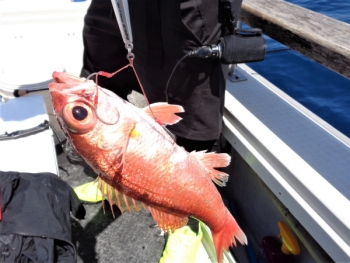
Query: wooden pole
[321, 38]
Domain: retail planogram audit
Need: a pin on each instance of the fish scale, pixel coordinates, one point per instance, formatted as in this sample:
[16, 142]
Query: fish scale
[140, 164]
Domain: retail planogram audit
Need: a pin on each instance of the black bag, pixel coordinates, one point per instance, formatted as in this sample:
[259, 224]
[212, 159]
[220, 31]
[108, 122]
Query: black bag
[239, 45]
[245, 45]
[35, 224]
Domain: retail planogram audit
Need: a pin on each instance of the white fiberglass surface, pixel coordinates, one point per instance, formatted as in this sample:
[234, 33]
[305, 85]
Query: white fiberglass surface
[303, 160]
[328, 155]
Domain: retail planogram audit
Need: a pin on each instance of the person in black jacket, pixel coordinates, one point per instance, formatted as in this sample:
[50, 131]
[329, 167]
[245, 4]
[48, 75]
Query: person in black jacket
[163, 32]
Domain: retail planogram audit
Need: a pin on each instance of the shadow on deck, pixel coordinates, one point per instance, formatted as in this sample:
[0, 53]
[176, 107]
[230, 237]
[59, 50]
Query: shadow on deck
[100, 237]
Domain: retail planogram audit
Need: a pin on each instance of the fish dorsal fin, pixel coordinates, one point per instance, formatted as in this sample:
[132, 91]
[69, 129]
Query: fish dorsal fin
[211, 160]
[168, 222]
[164, 112]
[114, 197]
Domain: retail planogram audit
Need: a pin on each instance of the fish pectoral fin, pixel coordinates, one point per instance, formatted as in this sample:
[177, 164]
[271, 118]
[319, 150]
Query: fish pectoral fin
[211, 160]
[166, 221]
[164, 112]
[117, 138]
[114, 197]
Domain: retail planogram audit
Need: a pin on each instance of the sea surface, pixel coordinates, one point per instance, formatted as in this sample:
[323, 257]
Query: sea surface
[319, 89]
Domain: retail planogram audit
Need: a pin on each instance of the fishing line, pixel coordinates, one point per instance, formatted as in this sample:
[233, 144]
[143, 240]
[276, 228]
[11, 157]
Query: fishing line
[141, 86]
[109, 75]
[131, 57]
[167, 84]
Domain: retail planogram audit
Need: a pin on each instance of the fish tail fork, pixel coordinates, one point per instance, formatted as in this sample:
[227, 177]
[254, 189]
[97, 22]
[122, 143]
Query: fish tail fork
[227, 236]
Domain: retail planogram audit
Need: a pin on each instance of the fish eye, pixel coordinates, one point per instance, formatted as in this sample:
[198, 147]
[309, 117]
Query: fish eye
[79, 117]
[79, 113]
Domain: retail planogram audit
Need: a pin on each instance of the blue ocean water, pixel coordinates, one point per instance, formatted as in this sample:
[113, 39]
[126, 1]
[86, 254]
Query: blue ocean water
[319, 89]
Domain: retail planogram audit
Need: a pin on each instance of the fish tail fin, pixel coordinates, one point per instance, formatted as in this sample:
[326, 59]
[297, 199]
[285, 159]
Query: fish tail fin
[227, 236]
[212, 160]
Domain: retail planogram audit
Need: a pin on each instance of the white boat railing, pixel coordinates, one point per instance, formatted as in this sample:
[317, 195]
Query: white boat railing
[303, 160]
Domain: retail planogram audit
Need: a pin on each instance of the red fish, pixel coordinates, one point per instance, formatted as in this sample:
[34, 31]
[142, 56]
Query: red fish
[133, 153]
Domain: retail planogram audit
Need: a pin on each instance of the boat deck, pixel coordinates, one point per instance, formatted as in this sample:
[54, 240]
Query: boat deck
[100, 237]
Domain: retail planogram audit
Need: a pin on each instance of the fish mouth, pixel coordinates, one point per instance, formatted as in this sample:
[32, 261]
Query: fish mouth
[63, 77]
[67, 88]
[70, 84]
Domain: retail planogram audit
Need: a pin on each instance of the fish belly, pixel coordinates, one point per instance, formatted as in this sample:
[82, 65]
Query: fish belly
[170, 179]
